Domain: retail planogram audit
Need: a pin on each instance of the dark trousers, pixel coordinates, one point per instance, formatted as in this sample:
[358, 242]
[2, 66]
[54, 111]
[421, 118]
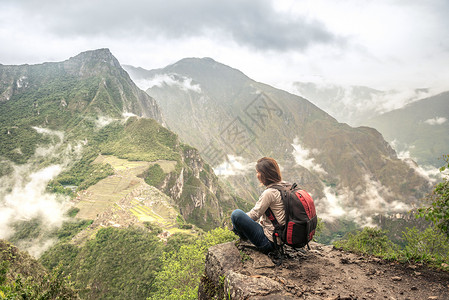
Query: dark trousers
[247, 228]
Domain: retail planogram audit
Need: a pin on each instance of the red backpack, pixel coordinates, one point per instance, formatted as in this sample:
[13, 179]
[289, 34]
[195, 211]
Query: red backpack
[300, 217]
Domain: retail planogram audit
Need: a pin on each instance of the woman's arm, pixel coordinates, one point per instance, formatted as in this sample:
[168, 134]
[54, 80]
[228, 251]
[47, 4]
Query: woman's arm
[265, 200]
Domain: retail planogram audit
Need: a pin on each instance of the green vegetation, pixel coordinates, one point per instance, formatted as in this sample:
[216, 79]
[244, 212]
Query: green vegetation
[182, 270]
[83, 174]
[371, 241]
[182, 223]
[132, 263]
[70, 228]
[154, 175]
[36, 230]
[438, 211]
[26, 230]
[51, 286]
[153, 227]
[142, 139]
[429, 245]
[72, 212]
[21, 277]
[116, 264]
[330, 232]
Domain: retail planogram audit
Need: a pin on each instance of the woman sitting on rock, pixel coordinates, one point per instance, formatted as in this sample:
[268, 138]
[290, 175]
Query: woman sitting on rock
[255, 225]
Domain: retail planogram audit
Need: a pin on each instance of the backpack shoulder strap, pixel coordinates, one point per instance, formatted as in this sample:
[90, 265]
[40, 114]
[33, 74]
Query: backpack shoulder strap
[283, 190]
[271, 217]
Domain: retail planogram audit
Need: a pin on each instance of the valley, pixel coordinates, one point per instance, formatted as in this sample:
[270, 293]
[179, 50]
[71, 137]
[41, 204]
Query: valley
[151, 178]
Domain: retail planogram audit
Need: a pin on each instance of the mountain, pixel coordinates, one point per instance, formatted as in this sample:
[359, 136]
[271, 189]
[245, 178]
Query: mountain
[48, 112]
[67, 96]
[420, 128]
[234, 120]
[92, 182]
[354, 104]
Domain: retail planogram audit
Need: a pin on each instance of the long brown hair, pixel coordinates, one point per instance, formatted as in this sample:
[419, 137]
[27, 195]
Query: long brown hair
[269, 170]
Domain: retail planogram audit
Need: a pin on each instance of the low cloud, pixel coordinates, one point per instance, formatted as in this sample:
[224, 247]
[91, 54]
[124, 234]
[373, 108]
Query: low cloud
[103, 121]
[127, 115]
[436, 121]
[359, 205]
[333, 207]
[356, 104]
[23, 197]
[393, 99]
[428, 172]
[233, 166]
[182, 82]
[303, 157]
[23, 193]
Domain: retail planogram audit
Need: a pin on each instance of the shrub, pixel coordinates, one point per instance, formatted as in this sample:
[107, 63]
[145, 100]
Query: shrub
[430, 245]
[438, 211]
[182, 269]
[154, 175]
[372, 241]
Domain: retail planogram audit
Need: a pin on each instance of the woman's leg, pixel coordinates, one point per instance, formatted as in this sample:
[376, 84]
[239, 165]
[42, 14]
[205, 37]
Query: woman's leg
[247, 228]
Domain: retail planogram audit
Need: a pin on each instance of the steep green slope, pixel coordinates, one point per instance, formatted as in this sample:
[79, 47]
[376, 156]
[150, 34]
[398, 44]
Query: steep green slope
[70, 96]
[76, 115]
[86, 101]
[23, 277]
[421, 128]
[116, 264]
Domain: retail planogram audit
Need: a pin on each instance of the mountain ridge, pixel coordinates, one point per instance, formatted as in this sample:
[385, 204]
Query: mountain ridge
[89, 99]
[343, 167]
[419, 128]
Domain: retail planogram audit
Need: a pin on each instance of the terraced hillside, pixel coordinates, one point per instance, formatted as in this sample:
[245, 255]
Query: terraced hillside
[125, 199]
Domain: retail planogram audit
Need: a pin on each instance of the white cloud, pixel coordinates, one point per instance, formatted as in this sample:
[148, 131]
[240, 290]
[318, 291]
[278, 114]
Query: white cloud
[52, 148]
[234, 165]
[374, 196]
[428, 172]
[179, 81]
[24, 195]
[277, 50]
[303, 157]
[127, 115]
[358, 205]
[103, 121]
[46, 131]
[332, 206]
[436, 121]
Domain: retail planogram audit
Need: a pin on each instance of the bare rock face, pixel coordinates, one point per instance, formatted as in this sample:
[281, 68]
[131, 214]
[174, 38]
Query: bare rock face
[239, 271]
[224, 276]
[221, 259]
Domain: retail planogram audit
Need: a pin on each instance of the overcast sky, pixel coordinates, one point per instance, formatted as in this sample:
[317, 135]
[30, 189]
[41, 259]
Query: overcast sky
[383, 44]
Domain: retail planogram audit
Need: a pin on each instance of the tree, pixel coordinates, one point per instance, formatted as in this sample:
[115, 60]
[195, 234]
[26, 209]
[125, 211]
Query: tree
[182, 269]
[438, 211]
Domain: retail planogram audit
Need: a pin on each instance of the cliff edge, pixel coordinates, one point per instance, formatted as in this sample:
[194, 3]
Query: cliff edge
[239, 271]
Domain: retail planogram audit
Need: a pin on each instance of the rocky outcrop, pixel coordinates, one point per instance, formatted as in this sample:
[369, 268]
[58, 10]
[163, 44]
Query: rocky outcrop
[197, 191]
[239, 271]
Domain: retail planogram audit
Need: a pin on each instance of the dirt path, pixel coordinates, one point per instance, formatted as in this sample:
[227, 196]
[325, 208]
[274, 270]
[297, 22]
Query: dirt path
[328, 273]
